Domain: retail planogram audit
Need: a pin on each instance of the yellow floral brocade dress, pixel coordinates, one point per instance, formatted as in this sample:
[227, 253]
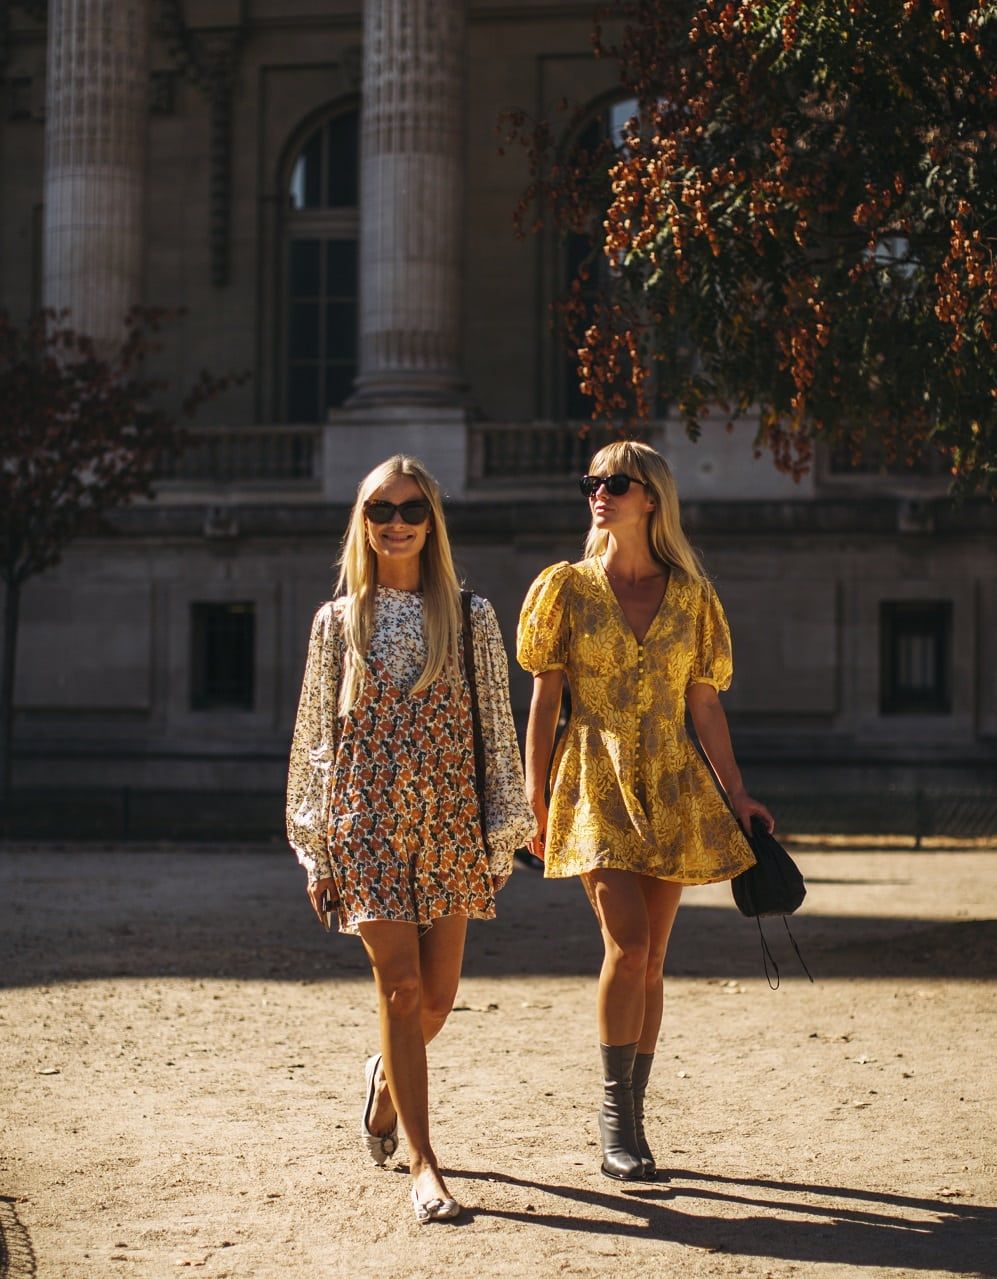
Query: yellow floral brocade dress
[629, 790]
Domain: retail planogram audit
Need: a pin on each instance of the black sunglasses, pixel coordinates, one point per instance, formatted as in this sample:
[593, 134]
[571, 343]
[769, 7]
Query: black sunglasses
[615, 485]
[414, 512]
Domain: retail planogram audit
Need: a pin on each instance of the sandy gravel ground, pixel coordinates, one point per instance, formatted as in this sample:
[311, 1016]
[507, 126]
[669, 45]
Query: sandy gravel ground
[180, 1081]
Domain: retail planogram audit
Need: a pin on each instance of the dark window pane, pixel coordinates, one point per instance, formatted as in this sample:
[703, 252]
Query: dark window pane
[341, 268]
[303, 268]
[593, 134]
[341, 330]
[577, 407]
[338, 383]
[305, 191]
[302, 336]
[915, 646]
[302, 393]
[579, 250]
[343, 143]
[222, 656]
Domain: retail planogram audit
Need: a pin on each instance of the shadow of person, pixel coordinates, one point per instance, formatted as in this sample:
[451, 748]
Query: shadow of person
[798, 1221]
[17, 1254]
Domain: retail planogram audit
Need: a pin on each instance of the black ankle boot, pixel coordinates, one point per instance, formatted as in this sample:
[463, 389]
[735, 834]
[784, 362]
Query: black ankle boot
[620, 1158]
[642, 1071]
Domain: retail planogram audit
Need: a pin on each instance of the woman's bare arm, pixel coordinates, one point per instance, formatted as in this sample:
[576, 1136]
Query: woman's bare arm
[710, 723]
[540, 731]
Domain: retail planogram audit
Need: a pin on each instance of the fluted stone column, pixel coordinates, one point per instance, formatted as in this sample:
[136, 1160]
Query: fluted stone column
[411, 202]
[96, 110]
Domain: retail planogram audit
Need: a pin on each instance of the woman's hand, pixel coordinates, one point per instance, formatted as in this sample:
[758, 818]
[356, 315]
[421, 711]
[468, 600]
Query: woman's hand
[537, 843]
[315, 892]
[745, 808]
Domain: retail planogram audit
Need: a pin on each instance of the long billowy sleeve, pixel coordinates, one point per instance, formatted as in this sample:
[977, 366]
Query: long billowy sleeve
[313, 749]
[508, 814]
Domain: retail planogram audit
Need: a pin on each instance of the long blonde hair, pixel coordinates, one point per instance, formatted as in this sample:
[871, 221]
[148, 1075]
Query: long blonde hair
[358, 581]
[665, 535]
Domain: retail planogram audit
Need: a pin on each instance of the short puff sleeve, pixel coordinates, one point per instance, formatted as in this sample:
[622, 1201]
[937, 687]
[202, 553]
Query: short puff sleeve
[713, 661]
[542, 634]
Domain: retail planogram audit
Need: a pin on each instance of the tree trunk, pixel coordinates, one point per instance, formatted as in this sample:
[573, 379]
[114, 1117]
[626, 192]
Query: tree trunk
[11, 611]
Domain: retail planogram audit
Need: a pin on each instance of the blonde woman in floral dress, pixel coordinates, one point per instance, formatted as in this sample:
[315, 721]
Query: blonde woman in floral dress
[382, 808]
[637, 633]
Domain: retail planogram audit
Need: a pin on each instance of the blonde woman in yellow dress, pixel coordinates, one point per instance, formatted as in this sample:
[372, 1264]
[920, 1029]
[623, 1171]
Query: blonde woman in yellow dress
[636, 632]
[382, 805]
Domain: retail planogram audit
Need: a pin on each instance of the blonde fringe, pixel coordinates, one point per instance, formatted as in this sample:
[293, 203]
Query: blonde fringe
[666, 537]
[358, 582]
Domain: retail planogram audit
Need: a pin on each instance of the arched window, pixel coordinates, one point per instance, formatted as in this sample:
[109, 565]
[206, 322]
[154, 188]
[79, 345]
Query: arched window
[321, 224]
[606, 123]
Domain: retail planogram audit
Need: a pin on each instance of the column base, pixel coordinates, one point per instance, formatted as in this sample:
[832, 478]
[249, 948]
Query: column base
[355, 440]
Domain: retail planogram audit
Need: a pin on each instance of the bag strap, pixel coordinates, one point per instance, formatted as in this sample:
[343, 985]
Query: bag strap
[472, 684]
[803, 963]
[767, 957]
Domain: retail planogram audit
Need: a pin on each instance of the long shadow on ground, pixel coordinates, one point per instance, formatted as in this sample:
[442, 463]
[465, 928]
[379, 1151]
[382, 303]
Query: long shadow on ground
[796, 1221]
[82, 915]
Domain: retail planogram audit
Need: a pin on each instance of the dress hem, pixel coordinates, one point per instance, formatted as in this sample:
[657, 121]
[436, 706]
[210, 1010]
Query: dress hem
[719, 877]
[352, 927]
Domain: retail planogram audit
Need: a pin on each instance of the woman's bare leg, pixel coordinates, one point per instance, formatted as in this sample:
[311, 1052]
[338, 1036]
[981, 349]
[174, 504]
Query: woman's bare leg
[618, 900]
[397, 954]
[441, 952]
[662, 901]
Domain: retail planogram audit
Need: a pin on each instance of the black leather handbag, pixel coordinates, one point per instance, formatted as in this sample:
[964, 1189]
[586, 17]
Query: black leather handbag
[773, 886]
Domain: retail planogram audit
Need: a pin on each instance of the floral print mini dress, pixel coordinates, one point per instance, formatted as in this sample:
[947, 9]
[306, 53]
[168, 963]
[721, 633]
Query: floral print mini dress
[629, 790]
[384, 799]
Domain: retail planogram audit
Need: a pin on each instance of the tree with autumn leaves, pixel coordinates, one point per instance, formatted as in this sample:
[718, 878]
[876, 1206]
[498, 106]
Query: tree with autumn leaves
[802, 217]
[81, 434]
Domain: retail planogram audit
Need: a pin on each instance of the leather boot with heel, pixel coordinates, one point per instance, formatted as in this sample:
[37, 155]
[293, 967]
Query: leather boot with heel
[620, 1157]
[641, 1073]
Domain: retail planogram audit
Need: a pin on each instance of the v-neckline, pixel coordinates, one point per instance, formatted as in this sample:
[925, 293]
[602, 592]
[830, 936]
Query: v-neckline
[642, 640]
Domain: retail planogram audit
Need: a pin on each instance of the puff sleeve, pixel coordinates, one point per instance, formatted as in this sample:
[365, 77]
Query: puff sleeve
[509, 817]
[712, 661]
[313, 749]
[542, 636]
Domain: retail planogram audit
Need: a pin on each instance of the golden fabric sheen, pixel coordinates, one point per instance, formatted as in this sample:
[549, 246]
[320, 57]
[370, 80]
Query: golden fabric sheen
[629, 790]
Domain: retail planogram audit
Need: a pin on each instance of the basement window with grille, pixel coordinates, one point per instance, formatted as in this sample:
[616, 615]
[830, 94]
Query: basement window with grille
[915, 657]
[223, 643]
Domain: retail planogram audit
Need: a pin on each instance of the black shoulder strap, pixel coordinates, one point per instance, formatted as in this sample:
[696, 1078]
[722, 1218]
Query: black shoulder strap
[472, 684]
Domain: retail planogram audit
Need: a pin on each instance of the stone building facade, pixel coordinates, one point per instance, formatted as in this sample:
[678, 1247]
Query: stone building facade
[318, 184]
